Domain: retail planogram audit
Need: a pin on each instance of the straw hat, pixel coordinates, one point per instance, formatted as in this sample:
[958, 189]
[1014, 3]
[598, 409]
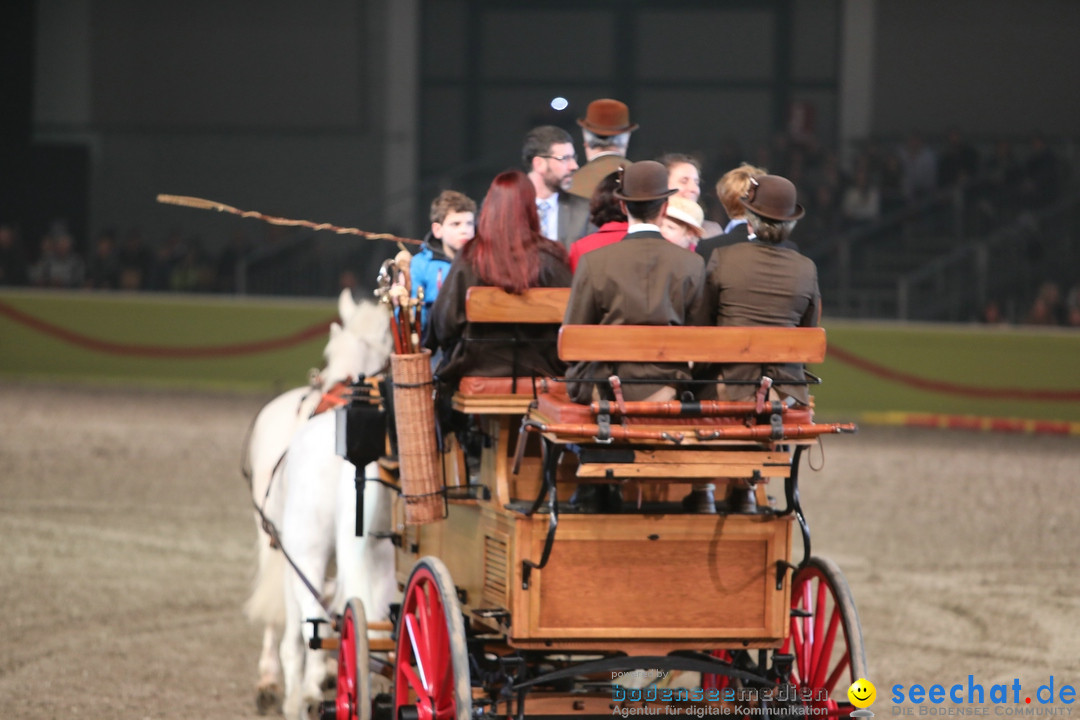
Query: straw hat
[688, 212]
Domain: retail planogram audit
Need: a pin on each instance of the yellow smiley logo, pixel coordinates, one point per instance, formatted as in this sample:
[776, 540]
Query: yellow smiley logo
[862, 693]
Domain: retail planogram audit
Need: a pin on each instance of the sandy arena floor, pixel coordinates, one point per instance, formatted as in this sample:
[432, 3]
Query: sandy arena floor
[127, 544]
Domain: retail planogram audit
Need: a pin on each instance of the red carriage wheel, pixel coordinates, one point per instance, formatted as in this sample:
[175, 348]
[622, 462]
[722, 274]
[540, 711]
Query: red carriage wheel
[431, 671]
[352, 700]
[826, 638]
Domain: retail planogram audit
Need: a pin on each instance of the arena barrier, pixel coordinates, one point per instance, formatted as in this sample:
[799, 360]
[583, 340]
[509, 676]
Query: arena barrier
[963, 376]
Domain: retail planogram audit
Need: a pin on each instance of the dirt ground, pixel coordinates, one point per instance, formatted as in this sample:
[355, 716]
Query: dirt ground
[126, 546]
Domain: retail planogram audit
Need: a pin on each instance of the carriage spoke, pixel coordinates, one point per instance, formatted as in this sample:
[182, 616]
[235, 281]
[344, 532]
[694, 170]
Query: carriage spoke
[816, 657]
[437, 639]
[830, 684]
[415, 683]
[424, 620]
[411, 629]
[825, 649]
[798, 646]
[802, 632]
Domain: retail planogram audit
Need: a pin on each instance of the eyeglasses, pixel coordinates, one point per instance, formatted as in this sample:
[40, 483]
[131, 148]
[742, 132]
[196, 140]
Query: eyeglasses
[561, 158]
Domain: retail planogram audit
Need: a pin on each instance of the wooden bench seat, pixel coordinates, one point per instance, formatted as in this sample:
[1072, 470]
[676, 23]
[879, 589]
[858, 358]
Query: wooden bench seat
[563, 420]
[535, 306]
[649, 343]
[497, 395]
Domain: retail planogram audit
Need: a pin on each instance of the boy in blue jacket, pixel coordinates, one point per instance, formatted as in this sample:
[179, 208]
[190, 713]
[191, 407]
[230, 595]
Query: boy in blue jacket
[453, 223]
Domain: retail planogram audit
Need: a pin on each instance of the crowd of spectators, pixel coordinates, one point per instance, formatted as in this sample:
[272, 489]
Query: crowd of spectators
[1049, 308]
[118, 261]
[994, 181]
[931, 183]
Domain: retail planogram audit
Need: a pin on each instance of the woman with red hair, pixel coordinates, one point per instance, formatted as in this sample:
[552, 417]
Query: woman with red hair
[508, 251]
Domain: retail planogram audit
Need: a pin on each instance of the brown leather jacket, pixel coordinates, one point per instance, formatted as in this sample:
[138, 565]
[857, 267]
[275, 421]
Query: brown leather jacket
[641, 280]
[757, 283]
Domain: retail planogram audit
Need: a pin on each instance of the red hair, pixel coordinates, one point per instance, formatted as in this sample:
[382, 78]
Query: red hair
[506, 251]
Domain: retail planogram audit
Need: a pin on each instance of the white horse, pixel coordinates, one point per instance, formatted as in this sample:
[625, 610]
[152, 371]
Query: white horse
[359, 346]
[318, 526]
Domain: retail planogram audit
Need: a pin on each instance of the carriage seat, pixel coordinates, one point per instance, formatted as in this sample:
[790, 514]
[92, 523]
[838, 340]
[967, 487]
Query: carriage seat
[500, 395]
[632, 343]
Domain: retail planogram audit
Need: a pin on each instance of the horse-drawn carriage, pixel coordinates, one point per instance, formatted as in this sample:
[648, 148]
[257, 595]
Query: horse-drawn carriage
[517, 602]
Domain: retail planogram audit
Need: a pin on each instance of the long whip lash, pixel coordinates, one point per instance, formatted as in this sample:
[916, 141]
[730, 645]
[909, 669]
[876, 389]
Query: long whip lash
[202, 204]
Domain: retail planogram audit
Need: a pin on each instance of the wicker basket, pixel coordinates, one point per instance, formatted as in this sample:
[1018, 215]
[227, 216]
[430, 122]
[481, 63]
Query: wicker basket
[414, 417]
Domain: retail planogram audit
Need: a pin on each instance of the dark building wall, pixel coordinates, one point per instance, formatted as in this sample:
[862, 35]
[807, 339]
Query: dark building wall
[696, 75]
[274, 106]
[988, 66]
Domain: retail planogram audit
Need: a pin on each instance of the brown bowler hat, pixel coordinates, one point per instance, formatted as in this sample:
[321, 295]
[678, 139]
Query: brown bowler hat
[607, 117]
[772, 197]
[644, 180]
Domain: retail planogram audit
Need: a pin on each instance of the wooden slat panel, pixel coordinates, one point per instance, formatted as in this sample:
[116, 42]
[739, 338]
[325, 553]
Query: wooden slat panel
[675, 471]
[536, 305]
[675, 464]
[646, 343]
[712, 456]
[496, 570]
[491, 404]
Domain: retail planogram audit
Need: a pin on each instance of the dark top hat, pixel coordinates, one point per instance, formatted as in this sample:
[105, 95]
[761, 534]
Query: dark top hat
[607, 117]
[773, 197]
[644, 180]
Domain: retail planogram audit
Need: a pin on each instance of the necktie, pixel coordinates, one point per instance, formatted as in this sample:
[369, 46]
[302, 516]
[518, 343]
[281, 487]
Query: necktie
[545, 219]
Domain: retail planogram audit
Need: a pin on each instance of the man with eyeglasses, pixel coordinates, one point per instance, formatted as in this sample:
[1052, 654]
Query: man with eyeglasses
[548, 156]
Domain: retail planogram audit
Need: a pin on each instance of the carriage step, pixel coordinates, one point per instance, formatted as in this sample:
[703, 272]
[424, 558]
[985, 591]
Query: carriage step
[324, 643]
[318, 642]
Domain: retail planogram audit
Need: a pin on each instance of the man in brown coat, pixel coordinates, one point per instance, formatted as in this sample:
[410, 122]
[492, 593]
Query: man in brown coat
[640, 280]
[765, 282]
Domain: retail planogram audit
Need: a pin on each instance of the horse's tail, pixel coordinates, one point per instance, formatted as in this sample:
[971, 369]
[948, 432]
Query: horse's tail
[266, 604]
